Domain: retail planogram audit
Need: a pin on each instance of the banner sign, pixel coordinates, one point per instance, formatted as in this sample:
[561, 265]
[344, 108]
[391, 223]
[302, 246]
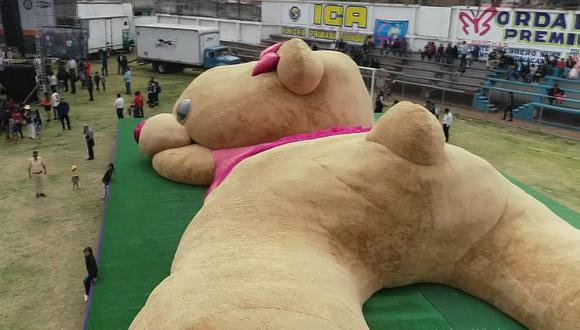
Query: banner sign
[324, 34]
[389, 31]
[542, 30]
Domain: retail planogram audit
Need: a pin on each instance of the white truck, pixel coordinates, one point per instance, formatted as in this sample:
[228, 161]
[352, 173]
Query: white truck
[106, 32]
[172, 47]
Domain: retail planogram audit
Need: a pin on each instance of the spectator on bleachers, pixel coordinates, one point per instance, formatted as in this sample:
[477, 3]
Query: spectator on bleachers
[509, 108]
[556, 94]
[515, 71]
[463, 50]
[575, 71]
[561, 65]
[493, 59]
[403, 46]
[440, 54]
[449, 59]
[526, 72]
[475, 53]
[569, 66]
[428, 51]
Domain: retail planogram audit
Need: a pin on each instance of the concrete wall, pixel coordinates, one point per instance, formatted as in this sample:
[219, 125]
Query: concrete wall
[439, 24]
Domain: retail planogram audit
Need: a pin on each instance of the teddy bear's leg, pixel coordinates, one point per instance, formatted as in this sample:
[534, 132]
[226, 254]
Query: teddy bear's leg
[217, 284]
[528, 266]
[192, 164]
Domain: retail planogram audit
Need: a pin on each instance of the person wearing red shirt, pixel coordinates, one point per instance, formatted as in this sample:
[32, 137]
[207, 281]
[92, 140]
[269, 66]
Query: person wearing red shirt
[561, 65]
[87, 69]
[17, 118]
[138, 103]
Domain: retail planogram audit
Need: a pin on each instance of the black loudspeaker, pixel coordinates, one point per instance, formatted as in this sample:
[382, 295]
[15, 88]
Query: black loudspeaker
[11, 23]
[19, 80]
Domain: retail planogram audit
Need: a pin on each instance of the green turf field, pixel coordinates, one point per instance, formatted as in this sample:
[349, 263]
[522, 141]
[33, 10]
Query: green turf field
[146, 216]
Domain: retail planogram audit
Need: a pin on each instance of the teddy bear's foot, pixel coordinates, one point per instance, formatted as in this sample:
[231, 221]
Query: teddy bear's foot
[528, 266]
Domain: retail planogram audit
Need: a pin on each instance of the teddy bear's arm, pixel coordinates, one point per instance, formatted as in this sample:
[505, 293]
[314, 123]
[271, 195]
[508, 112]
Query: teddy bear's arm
[527, 265]
[192, 164]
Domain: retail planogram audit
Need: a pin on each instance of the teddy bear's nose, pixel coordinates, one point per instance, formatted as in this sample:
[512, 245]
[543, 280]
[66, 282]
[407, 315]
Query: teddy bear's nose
[183, 110]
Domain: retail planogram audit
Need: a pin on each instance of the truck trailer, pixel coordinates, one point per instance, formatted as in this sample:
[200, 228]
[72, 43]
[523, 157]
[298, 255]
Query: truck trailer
[172, 47]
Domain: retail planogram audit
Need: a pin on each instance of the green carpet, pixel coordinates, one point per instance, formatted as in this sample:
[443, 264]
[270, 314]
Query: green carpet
[146, 216]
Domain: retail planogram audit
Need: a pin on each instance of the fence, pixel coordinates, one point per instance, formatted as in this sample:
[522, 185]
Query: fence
[378, 80]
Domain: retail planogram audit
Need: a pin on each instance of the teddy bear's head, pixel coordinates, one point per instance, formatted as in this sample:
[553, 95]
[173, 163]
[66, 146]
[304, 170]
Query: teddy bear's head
[291, 90]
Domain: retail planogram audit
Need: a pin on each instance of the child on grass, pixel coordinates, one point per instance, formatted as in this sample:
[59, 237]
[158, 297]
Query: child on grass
[74, 173]
[107, 180]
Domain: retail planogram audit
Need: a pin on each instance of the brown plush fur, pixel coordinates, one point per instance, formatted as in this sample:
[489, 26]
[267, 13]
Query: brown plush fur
[310, 91]
[300, 236]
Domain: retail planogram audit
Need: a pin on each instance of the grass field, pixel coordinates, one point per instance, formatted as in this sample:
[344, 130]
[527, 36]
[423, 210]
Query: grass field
[41, 241]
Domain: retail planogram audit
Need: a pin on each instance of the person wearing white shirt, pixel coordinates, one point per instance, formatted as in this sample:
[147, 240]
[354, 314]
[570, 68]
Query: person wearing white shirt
[119, 106]
[463, 50]
[53, 82]
[447, 121]
[54, 101]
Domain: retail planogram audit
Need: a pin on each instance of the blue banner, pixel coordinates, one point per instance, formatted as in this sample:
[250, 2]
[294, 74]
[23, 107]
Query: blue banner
[389, 31]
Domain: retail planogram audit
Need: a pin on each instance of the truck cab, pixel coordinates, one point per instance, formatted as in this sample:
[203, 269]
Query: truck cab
[217, 56]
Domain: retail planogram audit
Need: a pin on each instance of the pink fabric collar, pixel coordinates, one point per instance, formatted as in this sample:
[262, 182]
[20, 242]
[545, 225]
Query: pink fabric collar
[227, 159]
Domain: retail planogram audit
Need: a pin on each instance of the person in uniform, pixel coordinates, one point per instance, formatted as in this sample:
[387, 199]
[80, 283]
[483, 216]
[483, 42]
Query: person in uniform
[36, 172]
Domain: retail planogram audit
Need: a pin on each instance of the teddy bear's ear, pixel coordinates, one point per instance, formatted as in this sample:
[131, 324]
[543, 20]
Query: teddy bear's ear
[299, 69]
[411, 132]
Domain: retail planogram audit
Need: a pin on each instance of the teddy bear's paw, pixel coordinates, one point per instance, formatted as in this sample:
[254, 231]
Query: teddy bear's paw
[192, 164]
[160, 133]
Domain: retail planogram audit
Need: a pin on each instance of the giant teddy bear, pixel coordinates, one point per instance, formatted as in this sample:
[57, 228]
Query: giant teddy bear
[301, 234]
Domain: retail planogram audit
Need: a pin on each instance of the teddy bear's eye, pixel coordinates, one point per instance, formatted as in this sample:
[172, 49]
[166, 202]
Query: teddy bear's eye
[183, 110]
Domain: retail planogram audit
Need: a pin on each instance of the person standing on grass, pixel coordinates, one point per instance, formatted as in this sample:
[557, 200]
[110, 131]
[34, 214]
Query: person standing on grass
[47, 104]
[97, 78]
[37, 122]
[72, 67]
[138, 102]
[63, 110]
[36, 173]
[127, 81]
[17, 121]
[447, 121]
[103, 83]
[55, 102]
[104, 63]
[107, 178]
[92, 270]
[380, 102]
[53, 81]
[29, 120]
[152, 92]
[90, 139]
[89, 84]
[74, 177]
[119, 106]
[81, 73]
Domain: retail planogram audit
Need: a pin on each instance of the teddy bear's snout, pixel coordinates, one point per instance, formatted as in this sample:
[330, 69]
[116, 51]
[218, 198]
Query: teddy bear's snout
[183, 110]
